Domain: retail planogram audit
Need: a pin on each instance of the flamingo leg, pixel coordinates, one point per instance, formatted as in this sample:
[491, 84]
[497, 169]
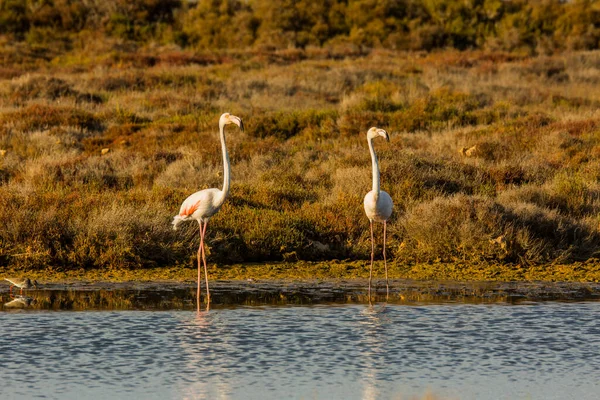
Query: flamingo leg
[387, 285]
[199, 265]
[372, 258]
[205, 268]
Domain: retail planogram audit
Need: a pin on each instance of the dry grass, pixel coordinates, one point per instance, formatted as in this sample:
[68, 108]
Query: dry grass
[482, 148]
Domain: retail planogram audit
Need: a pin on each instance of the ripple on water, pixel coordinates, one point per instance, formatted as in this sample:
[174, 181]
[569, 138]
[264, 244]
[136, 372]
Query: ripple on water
[547, 350]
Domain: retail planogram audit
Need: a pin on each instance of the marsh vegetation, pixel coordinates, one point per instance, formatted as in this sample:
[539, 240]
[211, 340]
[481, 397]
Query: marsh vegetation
[493, 160]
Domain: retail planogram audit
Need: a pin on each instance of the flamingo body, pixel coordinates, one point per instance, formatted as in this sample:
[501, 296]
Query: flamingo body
[378, 208]
[200, 206]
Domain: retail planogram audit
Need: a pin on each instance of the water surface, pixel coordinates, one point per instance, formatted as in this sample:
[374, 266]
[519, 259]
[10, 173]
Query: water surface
[460, 351]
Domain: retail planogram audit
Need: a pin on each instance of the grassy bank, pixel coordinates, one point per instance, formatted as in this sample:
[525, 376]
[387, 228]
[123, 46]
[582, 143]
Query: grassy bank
[329, 270]
[493, 161]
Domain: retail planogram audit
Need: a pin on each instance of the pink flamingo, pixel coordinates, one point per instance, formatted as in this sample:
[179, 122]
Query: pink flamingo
[204, 204]
[378, 204]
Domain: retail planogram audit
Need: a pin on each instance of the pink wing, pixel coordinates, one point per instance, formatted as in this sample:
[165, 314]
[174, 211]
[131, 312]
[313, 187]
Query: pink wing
[190, 205]
[202, 203]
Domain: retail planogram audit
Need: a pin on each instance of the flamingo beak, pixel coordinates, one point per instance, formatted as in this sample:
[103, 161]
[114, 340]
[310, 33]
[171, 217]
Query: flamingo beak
[383, 133]
[238, 121]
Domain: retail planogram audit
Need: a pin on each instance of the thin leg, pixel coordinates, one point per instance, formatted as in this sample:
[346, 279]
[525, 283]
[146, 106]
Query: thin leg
[387, 285]
[205, 268]
[199, 263]
[372, 257]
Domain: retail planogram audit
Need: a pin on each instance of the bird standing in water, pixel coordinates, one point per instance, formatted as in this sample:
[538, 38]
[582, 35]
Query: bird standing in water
[21, 283]
[202, 205]
[378, 204]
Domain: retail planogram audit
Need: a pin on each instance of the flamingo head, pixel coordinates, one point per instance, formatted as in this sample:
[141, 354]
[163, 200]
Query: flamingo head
[227, 119]
[374, 132]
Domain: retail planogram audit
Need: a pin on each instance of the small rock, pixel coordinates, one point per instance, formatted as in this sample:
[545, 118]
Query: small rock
[104, 151]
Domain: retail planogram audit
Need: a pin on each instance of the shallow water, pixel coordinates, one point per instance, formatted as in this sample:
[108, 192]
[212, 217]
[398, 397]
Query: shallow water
[87, 296]
[460, 351]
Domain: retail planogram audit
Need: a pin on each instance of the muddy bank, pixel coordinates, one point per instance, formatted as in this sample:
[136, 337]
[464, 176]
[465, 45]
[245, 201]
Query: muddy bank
[156, 295]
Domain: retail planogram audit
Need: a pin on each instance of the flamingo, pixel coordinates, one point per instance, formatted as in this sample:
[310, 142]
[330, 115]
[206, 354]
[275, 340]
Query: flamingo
[204, 204]
[378, 204]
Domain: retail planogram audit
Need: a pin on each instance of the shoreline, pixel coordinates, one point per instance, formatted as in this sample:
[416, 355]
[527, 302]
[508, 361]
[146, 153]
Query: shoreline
[588, 271]
[164, 295]
[306, 283]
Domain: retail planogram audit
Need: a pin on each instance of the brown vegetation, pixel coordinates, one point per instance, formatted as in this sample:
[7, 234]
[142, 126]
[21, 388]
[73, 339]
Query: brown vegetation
[97, 155]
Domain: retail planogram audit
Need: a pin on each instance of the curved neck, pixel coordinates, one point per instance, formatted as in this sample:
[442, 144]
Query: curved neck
[375, 168]
[226, 166]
